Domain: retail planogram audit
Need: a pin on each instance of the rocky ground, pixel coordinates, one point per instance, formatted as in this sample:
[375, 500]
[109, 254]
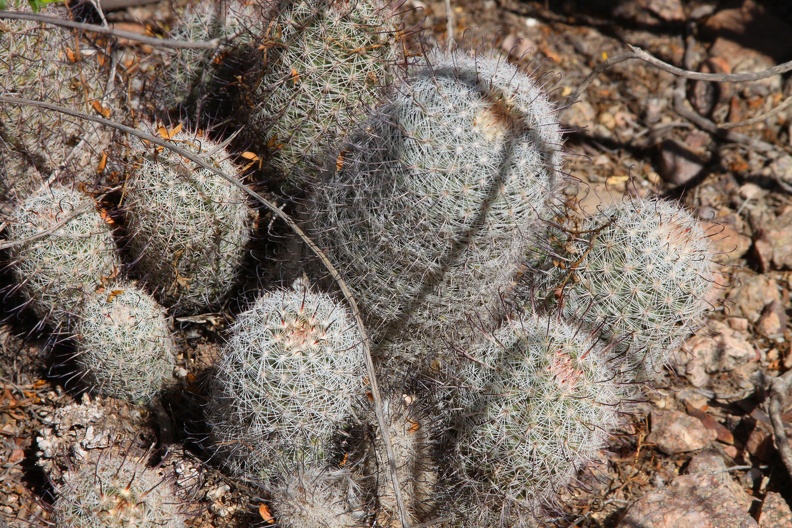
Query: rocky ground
[700, 450]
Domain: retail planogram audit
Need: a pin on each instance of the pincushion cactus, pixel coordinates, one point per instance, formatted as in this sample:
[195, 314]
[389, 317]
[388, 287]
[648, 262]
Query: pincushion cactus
[188, 226]
[538, 404]
[325, 63]
[286, 381]
[124, 345]
[318, 499]
[642, 272]
[435, 199]
[116, 490]
[58, 270]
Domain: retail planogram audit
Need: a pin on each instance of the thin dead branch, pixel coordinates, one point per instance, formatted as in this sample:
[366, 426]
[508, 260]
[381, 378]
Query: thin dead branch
[153, 41]
[346, 292]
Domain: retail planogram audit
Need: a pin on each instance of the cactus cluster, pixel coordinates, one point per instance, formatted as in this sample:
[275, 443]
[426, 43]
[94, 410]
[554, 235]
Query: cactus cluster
[285, 383]
[188, 226]
[65, 251]
[427, 198]
[325, 62]
[117, 490]
[124, 345]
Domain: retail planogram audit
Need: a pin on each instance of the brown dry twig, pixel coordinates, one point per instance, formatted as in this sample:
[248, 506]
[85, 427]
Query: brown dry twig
[153, 41]
[778, 394]
[346, 292]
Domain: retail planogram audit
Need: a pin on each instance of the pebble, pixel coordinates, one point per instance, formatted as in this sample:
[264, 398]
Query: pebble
[774, 248]
[752, 295]
[698, 500]
[775, 512]
[675, 432]
[678, 164]
[773, 320]
[719, 348]
[728, 243]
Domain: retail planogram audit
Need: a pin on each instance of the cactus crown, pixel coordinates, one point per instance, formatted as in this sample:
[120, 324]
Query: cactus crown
[539, 402]
[58, 270]
[643, 273]
[189, 227]
[116, 490]
[124, 345]
[329, 63]
[286, 380]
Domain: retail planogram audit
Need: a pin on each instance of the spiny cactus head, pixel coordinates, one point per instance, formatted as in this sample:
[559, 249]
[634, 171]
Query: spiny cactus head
[438, 193]
[115, 490]
[124, 344]
[326, 63]
[58, 269]
[319, 499]
[538, 405]
[642, 271]
[188, 226]
[286, 381]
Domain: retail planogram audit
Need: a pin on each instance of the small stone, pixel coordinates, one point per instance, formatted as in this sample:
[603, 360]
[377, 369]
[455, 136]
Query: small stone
[728, 244]
[708, 461]
[760, 442]
[749, 191]
[678, 164]
[753, 294]
[675, 432]
[668, 10]
[607, 120]
[698, 500]
[781, 169]
[718, 348]
[516, 46]
[773, 320]
[740, 324]
[580, 115]
[775, 244]
[775, 512]
[691, 396]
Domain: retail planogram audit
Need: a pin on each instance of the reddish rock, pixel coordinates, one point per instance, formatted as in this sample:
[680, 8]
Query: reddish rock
[718, 348]
[753, 27]
[774, 247]
[752, 295]
[728, 243]
[675, 432]
[773, 320]
[700, 500]
[775, 512]
[679, 164]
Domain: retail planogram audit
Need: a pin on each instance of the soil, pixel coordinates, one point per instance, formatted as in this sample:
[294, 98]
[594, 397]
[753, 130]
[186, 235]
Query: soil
[624, 139]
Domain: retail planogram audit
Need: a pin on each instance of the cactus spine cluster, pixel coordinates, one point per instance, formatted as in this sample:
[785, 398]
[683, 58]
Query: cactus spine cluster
[188, 226]
[539, 402]
[285, 383]
[436, 197]
[124, 344]
[325, 63]
[72, 254]
[116, 490]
